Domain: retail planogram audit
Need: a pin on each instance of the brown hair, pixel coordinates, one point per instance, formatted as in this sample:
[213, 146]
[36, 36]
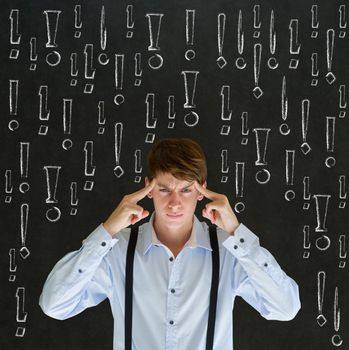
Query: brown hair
[181, 157]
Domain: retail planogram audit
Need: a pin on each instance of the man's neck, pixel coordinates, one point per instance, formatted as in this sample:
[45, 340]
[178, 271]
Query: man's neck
[173, 237]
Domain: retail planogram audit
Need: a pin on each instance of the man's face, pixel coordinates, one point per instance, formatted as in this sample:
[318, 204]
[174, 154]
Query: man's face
[174, 200]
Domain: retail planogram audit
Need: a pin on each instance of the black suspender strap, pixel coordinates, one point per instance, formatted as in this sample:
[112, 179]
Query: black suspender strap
[214, 287]
[129, 286]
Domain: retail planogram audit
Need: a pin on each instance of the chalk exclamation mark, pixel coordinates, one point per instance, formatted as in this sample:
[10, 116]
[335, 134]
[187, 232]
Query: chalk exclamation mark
[330, 133]
[89, 167]
[224, 165]
[21, 315]
[138, 165]
[342, 192]
[190, 78]
[74, 198]
[77, 21]
[239, 185]
[290, 155]
[263, 175]
[321, 279]
[24, 251]
[24, 165]
[8, 185]
[189, 34]
[13, 103]
[52, 173]
[129, 21]
[15, 37]
[154, 24]
[33, 56]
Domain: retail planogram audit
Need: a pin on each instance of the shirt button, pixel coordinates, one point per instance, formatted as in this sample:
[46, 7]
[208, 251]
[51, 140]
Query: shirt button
[235, 247]
[265, 264]
[172, 290]
[171, 259]
[242, 240]
[171, 322]
[103, 244]
[80, 270]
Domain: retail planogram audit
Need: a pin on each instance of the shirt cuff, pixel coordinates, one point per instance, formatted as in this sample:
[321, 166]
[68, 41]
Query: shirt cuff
[241, 243]
[99, 241]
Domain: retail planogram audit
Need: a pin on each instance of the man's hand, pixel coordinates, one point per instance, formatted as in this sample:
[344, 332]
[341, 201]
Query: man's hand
[219, 211]
[128, 212]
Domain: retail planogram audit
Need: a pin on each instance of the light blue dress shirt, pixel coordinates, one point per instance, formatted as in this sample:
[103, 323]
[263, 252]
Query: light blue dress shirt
[171, 295]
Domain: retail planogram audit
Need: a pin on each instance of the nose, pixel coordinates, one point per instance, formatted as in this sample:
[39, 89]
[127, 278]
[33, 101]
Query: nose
[174, 201]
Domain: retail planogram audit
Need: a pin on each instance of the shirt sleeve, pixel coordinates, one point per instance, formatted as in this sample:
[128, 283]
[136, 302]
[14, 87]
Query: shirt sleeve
[79, 280]
[258, 278]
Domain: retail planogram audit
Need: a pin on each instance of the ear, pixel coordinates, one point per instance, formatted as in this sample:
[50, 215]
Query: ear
[146, 180]
[201, 196]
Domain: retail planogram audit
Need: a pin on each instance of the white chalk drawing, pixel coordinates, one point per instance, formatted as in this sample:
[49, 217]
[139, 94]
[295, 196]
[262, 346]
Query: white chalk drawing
[342, 192]
[295, 47]
[24, 164]
[221, 18]
[119, 78]
[24, 251]
[306, 192]
[171, 114]
[190, 79]
[138, 165]
[67, 116]
[89, 168]
[272, 61]
[44, 111]
[239, 185]
[262, 176]
[13, 103]
[224, 165]
[189, 34]
[342, 22]
[342, 100]
[74, 201]
[306, 241]
[74, 68]
[77, 21]
[289, 171]
[15, 37]
[284, 129]
[342, 251]
[118, 170]
[321, 280]
[101, 118]
[314, 21]
[89, 68]
[314, 69]
[21, 315]
[240, 62]
[245, 131]
[150, 120]
[129, 21]
[103, 58]
[330, 137]
[257, 56]
[321, 202]
[336, 338]
[138, 71]
[8, 185]
[12, 264]
[53, 58]
[305, 147]
[154, 23]
[257, 23]
[226, 111]
[33, 56]
[52, 173]
[330, 34]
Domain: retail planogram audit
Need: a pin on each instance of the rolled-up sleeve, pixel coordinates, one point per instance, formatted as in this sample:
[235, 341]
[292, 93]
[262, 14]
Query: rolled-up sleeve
[258, 278]
[79, 280]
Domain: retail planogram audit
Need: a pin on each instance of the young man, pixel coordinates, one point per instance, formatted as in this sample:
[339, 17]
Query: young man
[185, 275]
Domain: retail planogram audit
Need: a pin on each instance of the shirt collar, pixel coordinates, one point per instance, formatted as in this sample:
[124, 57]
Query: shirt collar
[198, 238]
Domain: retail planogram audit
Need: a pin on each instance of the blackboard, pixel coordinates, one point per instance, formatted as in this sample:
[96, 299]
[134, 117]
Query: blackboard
[87, 88]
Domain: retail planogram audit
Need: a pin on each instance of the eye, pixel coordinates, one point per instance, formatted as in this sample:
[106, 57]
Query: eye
[163, 190]
[186, 190]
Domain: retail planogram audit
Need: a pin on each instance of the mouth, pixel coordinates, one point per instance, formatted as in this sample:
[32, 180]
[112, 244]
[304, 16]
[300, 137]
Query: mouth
[174, 216]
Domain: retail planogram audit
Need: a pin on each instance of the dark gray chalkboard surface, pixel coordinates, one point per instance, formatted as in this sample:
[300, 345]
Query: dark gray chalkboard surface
[87, 88]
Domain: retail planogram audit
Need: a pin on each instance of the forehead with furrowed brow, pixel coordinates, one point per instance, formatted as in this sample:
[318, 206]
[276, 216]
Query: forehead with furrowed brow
[167, 187]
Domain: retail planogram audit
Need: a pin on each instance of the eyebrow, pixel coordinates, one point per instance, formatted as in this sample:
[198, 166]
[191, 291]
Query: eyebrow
[162, 185]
